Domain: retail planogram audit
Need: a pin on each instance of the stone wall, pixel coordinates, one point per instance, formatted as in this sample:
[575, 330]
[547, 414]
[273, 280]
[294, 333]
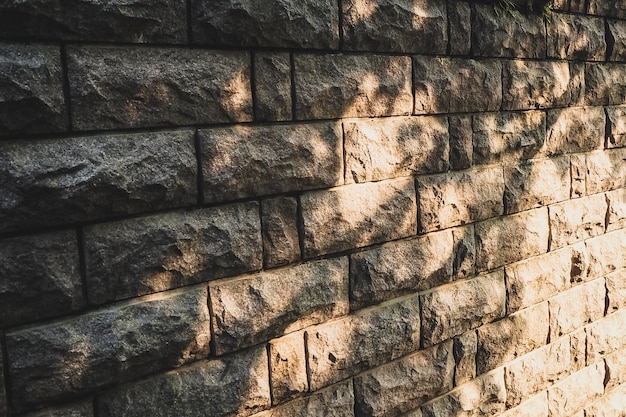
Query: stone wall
[284, 208]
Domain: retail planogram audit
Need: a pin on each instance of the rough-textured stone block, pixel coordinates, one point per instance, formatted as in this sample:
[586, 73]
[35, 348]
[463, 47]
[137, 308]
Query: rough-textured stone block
[605, 170]
[39, 277]
[256, 308]
[511, 337]
[464, 350]
[3, 396]
[405, 384]
[358, 215]
[605, 84]
[371, 337]
[578, 219]
[504, 35]
[61, 359]
[280, 234]
[272, 87]
[616, 127]
[288, 371]
[512, 238]
[460, 27]
[80, 409]
[576, 37]
[610, 405]
[162, 21]
[607, 253]
[579, 389]
[461, 146]
[464, 263]
[615, 369]
[606, 336]
[232, 386]
[31, 100]
[578, 169]
[378, 149]
[578, 6]
[184, 248]
[457, 198]
[609, 8]
[578, 350]
[616, 215]
[536, 406]
[616, 290]
[575, 130]
[617, 34]
[407, 26]
[245, 161]
[332, 86]
[476, 302]
[399, 268]
[572, 309]
[536, 183]
[451, 85]
[77, 179]
[293, 23]
[115, 87]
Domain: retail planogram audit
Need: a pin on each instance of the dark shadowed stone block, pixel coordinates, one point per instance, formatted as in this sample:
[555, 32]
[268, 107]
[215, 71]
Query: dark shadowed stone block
[605, 84]
[464, 350]
[184, 248]
[79, 409]
[332, 86]
[3, 396]
[460, 27]
[76, 179]
[118, 87]
[616, 125]
[617, 33]
[31, 97]
[576, 37]
[280, 233]
[39, 277]
[236, 385]
[141, 21]
[461, 147]
[246, 161]
[408, 26]
[279, 23]
[463, 265]
[63, 359]
[609, 8]
[272, 87]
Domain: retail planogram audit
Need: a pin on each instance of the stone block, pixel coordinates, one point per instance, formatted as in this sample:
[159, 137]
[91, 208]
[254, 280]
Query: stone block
[378, 149]
[536, 406]
[572, 130]
[615, 369]
[476, 302]
[464, 263]
[577, 219]
[536, 183]
[120, 87]
[60, 181]
[616, 126]
[288, 370]
[184, 248]
[78, 409]
[405, 384]
[32, 98]
[609, 8]
[461, 142]
[272, 86]
[371, 337]
[617, 34]
[574, 308]
[62, 359]
[616, 290]
[578, 169]
[605, 336]
[256, 308]
[246, 161]
[456, 198]
[607, 253]
[616, 214]
[610, 405]
[39, 277]
[358, 215]
[235, 385]
[510, 239]
[606, 170]
[464, 349]
[605, 84]
[398, 268]
[161, 21]
[3, 391]
[574, 392]
[281, 243]
[333, 86]
[504, 35]
[452, 85]
[289, 24]
[576, 37]
[578, 6]
[460, 27]
[408, 26]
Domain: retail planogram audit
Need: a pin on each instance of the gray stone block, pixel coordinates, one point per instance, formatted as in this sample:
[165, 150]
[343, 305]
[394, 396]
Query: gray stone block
[281, 243]
[272, 87]
[576, 37]
[617, 34]
[605, 84]
[79, 409]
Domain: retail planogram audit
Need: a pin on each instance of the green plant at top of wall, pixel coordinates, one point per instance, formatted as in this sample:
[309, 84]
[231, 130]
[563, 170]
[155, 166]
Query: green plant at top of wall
[514, 7]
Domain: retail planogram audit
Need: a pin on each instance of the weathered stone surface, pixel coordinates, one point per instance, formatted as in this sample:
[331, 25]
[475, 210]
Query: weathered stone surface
[606, 336]
[407, 26]
[256, 308]
[3, 396]
[511, 337]
[245, 161]
[79, 409]
[578, 169]
[578, 6]
[464, 263]
[378, 149]
[504, 35]
[578, 219]
[617, 34]
[615, 369]
[358, 215]
[457, 198]
[141, 21]
[232, 386]
[451, 85]
[61, 359]
[332, 86]
[476, 302]
[405, 384]
[117, 87]
[461, 146]
[616, 290]
[31, 100]
[338, 350]
[605, 84]
[280, 234]
[508, 137]
[536, 406]
[576, 37]
[575, 130]
[39, 277]
[578, 350]
[299, 24]
[464, 350]
[572, 309]
[185, 248]
[610, 8]
[288, 373]
[76, 179]
[536, 183]
[610, 405]
[607, 253]
[573, 393]
[460, 27]
[616, 126]
[398, 268]
[272, 87]
[606, 170]
[512, 238]
[616, 215]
